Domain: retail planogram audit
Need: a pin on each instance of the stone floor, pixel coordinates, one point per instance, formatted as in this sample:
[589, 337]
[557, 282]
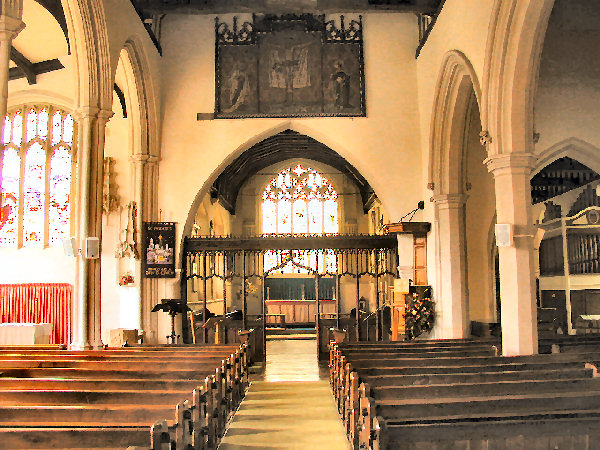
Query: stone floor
[289, 404]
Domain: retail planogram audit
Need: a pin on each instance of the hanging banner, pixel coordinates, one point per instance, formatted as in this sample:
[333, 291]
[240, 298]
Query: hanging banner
[159, 250]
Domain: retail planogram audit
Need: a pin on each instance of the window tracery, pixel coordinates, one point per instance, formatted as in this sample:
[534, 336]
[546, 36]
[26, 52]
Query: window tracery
[36, 166]
[300, 201]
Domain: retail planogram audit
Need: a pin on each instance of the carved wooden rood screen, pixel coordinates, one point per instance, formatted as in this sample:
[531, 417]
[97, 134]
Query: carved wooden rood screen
[216, 269]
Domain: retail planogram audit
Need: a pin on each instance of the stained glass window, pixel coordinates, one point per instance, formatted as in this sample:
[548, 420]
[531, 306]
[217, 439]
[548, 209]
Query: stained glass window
[299, 201]
[34, 184]
[9, 219]
[59, 210]
[38, 144]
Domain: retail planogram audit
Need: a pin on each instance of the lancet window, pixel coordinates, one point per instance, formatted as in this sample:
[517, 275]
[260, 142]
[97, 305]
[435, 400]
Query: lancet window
[300, 201]
[36, 166]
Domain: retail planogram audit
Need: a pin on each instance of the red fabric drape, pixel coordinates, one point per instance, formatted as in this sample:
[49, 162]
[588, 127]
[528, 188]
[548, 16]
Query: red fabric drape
[39, 303]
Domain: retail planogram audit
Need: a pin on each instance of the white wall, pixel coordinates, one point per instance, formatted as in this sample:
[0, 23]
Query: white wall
[480, 212]
[384, 146]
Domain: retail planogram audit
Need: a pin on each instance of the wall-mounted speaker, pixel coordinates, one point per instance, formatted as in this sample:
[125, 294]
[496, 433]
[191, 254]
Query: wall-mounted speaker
[70, 246]
[504, 235]
[92, 248]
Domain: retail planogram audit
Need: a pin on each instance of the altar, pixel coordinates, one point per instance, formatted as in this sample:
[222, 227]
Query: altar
[25, 333]
[300, 311]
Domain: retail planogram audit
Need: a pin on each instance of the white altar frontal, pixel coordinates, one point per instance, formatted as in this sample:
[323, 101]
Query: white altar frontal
[25, 333]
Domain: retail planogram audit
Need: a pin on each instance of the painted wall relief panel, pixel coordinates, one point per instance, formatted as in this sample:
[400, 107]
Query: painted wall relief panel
[289, 66]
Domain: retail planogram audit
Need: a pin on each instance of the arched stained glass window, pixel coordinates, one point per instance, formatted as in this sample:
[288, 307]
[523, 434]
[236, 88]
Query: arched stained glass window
[36, 166]
[34, 187]
[300, 201]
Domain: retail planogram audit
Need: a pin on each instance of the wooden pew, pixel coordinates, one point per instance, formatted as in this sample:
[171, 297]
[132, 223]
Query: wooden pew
[549, 431]
[410, 400]
[223, 389]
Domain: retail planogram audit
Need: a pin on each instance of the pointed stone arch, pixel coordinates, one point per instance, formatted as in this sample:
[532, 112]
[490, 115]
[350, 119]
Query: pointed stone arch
[255, 140]
[574, 148]
[511, 67]
[457, 82]
[456, 95]
[88, 36]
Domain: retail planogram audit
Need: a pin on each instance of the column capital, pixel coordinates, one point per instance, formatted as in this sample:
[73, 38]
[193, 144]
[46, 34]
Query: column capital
[92, 112]
[143, 158]
[10, 27]
[510, 162]
[450, 200]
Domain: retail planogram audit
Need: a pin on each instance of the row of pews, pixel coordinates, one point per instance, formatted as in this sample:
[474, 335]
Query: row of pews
[462, 394]
[146, 397]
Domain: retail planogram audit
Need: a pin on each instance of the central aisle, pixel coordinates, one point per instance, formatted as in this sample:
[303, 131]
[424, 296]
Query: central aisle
[288, 405]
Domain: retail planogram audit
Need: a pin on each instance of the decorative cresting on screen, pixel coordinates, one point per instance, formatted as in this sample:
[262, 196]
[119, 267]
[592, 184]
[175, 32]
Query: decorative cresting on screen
[289, 66]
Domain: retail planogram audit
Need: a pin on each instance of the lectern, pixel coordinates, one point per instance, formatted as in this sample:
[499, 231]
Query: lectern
[172, 306]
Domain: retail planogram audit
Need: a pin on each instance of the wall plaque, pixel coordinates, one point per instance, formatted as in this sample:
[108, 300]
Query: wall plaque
[289, 66]
[159, 250]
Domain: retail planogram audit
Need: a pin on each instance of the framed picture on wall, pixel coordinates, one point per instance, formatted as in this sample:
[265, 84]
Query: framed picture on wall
[289, 66]
[158, 256]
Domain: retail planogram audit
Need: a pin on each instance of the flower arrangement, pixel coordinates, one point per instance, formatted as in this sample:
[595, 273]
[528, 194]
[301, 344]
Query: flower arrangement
[419, 315]
[126, 279]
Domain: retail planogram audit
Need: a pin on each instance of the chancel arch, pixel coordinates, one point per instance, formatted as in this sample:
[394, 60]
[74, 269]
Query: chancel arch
[290, 186]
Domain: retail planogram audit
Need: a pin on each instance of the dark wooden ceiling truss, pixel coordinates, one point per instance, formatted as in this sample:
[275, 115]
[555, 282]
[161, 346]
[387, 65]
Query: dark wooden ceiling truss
[30, 70]
[558, 177]
[55, 8]
[284, 146]
[151, 7]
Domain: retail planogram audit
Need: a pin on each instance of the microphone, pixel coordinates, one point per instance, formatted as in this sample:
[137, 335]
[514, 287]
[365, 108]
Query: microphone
[420, 205]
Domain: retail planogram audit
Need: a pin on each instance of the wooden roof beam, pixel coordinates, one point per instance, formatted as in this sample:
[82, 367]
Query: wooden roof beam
[24, 64]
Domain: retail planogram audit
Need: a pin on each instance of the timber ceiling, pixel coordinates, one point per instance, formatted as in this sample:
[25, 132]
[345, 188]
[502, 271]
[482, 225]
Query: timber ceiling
[559, 177]
[283, 146]
[149, 8]
[36, 49]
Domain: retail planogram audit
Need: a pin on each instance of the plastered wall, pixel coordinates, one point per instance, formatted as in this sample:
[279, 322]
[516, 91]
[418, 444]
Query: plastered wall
[384, 146]
[479, 218]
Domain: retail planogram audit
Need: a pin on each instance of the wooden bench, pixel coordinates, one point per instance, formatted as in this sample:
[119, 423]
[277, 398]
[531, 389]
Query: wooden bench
[575, 430]
[422, 384]
[103, 392]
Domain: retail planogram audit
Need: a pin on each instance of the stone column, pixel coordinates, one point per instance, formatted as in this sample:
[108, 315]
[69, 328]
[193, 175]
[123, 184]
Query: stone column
[87, 216]
[517, 283]
[145, 197]
[452, 297]
[10, 25]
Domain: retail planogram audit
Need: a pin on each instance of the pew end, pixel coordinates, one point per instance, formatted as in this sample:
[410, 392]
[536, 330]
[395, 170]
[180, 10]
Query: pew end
[378, 434]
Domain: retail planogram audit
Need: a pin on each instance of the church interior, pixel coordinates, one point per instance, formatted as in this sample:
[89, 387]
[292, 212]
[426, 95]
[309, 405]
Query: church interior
[303, 224]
